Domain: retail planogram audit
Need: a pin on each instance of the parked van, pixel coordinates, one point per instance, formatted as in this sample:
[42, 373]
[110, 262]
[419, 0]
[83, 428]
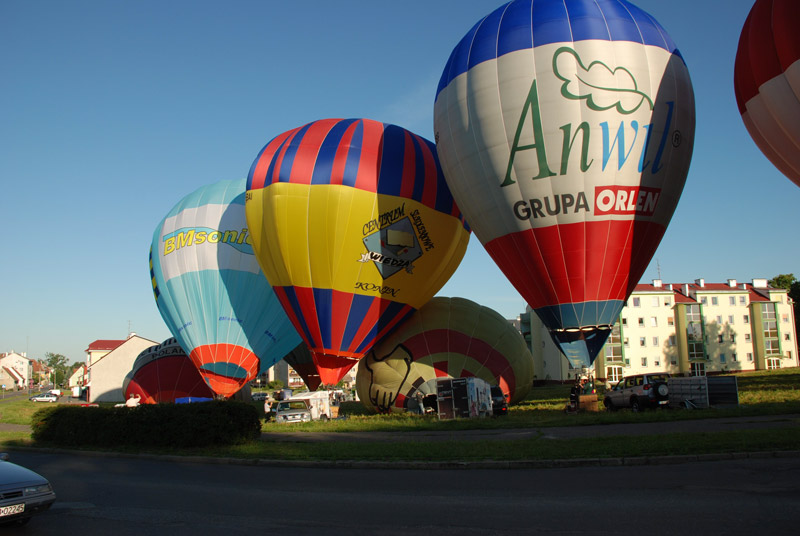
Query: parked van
[304, 407]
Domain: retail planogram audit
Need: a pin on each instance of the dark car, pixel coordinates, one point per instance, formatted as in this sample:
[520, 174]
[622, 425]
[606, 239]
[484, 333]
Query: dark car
[23, 493]
[499, 401]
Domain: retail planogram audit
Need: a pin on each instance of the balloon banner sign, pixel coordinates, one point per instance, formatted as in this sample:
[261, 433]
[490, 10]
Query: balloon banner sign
[565, 132]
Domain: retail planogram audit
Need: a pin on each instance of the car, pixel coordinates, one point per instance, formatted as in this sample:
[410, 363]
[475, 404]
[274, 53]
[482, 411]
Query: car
[499, 401]
[23, 493]
[293, 411]
[638, 392]
[45, 397]
[259, 396]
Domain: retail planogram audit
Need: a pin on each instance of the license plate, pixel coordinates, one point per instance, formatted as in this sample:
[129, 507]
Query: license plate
[11, 510]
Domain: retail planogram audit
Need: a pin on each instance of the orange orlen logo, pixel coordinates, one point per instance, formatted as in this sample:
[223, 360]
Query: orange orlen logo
[637, 200]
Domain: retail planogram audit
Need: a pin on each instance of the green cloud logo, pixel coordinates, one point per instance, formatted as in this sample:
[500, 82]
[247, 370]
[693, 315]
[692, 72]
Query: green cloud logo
[602, 87]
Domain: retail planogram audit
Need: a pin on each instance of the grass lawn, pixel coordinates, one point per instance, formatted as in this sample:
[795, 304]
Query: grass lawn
[760, 393]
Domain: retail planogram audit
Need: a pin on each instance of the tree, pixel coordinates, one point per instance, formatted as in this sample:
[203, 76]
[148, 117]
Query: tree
[790, 283]
[58, 363]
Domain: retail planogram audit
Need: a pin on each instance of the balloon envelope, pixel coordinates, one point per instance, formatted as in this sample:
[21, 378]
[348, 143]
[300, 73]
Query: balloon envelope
[565, 131]
[163, 373]
[767, 82]
[446, 338]
[355, 228]
[211, 292]
[302, 362]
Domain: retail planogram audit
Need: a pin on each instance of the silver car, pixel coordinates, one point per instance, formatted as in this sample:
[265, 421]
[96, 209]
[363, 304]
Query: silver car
[293, 411]
[23, 493]
[639, 392]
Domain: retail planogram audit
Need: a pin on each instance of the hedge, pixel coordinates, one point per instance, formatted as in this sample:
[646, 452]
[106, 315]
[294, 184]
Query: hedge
[148, 425]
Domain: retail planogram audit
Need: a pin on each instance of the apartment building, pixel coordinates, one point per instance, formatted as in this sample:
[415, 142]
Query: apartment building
[684, 329]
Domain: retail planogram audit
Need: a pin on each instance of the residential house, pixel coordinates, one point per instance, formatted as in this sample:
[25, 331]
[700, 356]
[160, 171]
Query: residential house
[16, 371]
[107, 363]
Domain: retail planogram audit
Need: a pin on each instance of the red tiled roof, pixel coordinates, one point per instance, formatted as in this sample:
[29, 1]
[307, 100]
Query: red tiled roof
[681, 298]
[103, 344]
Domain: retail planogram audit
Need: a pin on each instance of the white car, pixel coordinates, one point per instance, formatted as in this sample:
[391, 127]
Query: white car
[45, 397]
[639, 392]
[22, 493]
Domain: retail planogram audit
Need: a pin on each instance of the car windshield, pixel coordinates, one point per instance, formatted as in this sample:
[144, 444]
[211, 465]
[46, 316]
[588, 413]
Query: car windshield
[295, 404]
[658, 378]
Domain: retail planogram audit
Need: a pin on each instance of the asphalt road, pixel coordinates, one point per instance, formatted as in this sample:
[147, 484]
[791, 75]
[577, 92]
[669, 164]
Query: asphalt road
[141, 496]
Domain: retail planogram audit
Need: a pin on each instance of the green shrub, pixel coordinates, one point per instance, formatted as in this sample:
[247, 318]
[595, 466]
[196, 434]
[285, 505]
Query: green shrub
[149, 425]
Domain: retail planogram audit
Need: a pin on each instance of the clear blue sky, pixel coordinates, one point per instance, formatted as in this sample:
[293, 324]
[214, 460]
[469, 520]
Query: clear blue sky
[114, 110]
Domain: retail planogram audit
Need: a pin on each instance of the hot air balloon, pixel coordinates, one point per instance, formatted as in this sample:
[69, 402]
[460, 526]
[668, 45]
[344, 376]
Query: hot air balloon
[355, 228]
[565, 130]
[301, 361]
[163, 373]
[446, 338]
[766, 80]
[211, 292]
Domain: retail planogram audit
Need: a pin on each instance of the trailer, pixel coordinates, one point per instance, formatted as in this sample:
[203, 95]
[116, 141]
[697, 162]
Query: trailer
[463, 398]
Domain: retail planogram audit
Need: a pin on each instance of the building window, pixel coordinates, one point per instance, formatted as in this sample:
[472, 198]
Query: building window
[771, 347]
[644, 361]
[746, 319]
[749, 357]
[655, 342]
[624, 321]
[613, 374]
[641, 322]
[656, 362]
[746, 337]
[653, 321]
[671, 340]
[721, 338]
[704, 300]
[670, 321]
[733, 337]
[667, 302]
[696, 350]
[719, 319]
[773, 363]
[642, 341]
[626, 342]
[785, 318]
[734, 357]
[732, 300]
[730, 319]
[742, 300]
[721, 358]
[654, 301]
[698, 369]
[637, 302]
[787, 337]
[714, 300]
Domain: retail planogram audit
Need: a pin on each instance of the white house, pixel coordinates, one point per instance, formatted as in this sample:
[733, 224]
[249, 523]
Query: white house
[16, 371]
[107, 363]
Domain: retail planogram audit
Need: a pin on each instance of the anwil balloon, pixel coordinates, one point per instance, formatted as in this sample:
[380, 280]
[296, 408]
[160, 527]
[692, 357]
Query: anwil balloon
[446, 338]
[163, 373]
[767, 82]
[565, 130]
[355, 228]
[211, 292]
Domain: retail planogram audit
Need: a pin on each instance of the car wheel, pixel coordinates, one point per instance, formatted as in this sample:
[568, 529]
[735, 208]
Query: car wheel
[635, 405]
[608, 404]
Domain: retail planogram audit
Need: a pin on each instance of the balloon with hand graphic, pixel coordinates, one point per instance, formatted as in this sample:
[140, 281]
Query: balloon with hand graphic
[565, 131]
[355, 228]
[446, 338]
[211, 292]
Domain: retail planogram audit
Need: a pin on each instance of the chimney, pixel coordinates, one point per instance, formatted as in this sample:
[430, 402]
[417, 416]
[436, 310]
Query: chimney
[743, 286]
[669, 286]
[657, 283]
[732, 283]
[700, 283]
[760, 283]
[685, 289]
